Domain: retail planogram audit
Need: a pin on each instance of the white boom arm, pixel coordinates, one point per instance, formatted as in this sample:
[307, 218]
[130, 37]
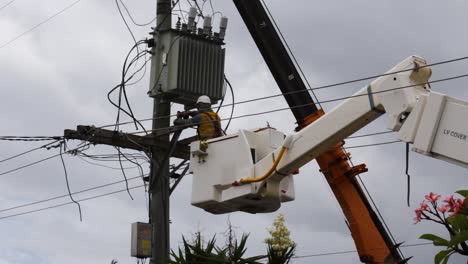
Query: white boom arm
[434, 123]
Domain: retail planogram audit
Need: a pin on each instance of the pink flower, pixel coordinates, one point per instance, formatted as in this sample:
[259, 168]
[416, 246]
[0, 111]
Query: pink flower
[417, 219]
[418, 212]
[450, 200]
[432, 197]
[444, 208]
[456, 207]
[422, 206]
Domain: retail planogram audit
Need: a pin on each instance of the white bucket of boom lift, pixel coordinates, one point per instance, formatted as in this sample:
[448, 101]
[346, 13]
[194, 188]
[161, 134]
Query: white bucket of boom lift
[219, 162]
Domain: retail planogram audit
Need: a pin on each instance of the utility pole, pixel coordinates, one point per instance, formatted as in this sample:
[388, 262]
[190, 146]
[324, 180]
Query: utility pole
[207, 57]
[159, 192]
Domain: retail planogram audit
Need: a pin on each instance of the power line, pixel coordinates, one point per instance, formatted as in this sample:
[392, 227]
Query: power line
[41, 160]
[66, 180]
[30, 138]
[130, 188]
[63, 204]
[290, 51]
[370, 134]
[133, 20]
[324, 101]
[326, 87]
[66, 195]
[40, 24]
[374, 144]
[27, 152]
[7, 4]
[354, 251]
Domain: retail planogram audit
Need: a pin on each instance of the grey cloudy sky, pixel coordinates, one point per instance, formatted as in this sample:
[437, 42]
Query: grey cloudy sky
[58, 75]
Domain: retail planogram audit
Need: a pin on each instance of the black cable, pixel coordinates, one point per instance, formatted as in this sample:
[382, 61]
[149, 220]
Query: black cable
[68, 184]
[354, 251]
[63, 204]
[28, 165]
[27, 152]
[179, 179]
[325, 101]
[66, 195]
[131, 17]
[199, 9]
[290, 51]
[36, 162]
[212, 9]
[180, 166]
[111, 157]
[408, 177]
[385, 226]
[7, 4]
[122, 87]
[123, 173]
[126, 24]
[374, 144]
[40, 24]
[329, 86]
[123, 81]
[105, 166]
[370, 134]
[233, 102]
[30, 138]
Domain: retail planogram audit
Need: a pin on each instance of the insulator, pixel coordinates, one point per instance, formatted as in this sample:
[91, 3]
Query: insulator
[222, 27]
[207, 26]
[191, 18]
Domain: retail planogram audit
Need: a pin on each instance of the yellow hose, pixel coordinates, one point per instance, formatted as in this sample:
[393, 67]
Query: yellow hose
[267, 174]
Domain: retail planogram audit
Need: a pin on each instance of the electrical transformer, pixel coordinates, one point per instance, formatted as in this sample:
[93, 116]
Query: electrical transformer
[191, 64]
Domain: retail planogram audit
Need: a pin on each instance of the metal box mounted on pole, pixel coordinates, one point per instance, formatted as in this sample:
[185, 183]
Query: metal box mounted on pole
[191, 64]
[141, 240]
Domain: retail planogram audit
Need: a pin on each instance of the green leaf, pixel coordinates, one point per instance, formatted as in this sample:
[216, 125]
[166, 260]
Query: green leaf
[447, 257]
[458, 222]
[441, 256]
[458, 238]
[438, 241]
[463, 193]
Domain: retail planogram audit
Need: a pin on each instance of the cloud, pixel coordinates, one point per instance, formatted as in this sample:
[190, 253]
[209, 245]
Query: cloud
[58, 76]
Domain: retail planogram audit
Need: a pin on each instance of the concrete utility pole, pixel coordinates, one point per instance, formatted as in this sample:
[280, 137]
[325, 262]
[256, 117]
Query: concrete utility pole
[159, 207]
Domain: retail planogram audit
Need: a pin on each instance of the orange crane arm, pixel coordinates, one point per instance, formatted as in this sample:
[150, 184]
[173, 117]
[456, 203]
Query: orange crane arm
[372, 241]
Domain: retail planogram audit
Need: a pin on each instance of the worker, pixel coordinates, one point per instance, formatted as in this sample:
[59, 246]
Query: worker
[208, 122]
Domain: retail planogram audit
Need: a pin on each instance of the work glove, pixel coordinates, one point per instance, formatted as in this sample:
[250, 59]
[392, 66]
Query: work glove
[179, 122]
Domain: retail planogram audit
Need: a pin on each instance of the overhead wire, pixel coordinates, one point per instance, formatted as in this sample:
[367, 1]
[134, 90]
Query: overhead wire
[233, 102]
[353, 251]
[326, 87]
[40, 24]
[66, 179]
[370, 134]
[105, 166]
[182, 166]
[30, 138]
[133, 20]
[63, 204]
[28, 151]
[126, 24]
[66, 195]
[122, 84]
[7, 4]
[308, 104]
[123, 171]
[290, 51]
[36, 162]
